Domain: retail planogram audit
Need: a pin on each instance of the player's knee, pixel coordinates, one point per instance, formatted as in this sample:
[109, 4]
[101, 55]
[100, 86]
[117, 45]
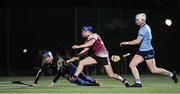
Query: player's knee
[131, 65]
[111, 75]
[81, 63]
[154, 71]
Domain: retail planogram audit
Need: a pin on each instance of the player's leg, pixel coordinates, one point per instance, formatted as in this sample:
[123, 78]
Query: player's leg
[137, 59]
[82, 82]
[151, 63]
[82, 63]
[86, 78]
[89, 79]
[82, 78]
[111, 74]
[71, 69]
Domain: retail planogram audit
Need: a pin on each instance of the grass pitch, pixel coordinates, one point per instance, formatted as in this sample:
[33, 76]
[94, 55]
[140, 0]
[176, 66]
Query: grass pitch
[151, 84]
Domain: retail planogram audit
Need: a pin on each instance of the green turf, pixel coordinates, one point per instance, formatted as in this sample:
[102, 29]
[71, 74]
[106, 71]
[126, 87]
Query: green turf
[151, 84]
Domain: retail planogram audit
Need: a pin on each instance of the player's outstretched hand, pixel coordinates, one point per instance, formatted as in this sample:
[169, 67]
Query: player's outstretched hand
[34, 85]
[75, 46]
[123, 43]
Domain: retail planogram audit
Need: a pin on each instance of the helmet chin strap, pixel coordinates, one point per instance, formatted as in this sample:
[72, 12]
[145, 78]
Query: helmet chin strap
[89, 34]
[142, 24]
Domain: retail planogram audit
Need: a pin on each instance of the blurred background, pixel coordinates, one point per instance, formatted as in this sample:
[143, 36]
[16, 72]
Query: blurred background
[28, 26]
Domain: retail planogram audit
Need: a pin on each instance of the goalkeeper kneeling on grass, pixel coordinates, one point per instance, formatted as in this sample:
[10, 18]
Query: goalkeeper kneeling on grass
[67, 69]
[64, 69]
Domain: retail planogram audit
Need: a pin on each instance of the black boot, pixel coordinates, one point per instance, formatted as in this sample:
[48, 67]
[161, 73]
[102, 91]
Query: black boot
[136, 85]
[174, 77]
[126, 83]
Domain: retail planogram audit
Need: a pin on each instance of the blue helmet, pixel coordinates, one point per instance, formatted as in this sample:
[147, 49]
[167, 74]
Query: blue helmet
[45, 53]
[87, 28]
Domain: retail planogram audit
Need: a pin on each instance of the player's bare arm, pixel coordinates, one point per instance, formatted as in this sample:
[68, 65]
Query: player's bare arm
[85, 45]
[83, 52]
[133, 42]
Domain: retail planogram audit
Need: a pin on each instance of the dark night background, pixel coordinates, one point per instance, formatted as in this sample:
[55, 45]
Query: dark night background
[56, 24]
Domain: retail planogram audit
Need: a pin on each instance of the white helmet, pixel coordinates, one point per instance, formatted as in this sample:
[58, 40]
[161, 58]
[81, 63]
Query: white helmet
[141, 16]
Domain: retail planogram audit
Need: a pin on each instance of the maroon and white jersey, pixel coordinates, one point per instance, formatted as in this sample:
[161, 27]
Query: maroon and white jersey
[98, 47]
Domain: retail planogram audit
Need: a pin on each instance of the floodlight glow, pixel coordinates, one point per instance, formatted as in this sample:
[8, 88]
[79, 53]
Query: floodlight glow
[24, 50]
[168, 22]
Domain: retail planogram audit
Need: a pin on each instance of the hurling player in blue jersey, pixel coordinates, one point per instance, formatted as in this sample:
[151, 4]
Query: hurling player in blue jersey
[146, 52]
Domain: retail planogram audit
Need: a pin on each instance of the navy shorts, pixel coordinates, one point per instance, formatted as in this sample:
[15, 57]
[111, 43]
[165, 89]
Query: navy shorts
[147, 54]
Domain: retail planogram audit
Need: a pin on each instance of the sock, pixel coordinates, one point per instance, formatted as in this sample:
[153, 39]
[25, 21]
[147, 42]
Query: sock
[74, 77]
[138, 81]
[171, 74]
[122, 79]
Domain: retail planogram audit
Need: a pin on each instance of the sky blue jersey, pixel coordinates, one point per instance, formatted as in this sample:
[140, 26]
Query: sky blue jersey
[146, 36]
